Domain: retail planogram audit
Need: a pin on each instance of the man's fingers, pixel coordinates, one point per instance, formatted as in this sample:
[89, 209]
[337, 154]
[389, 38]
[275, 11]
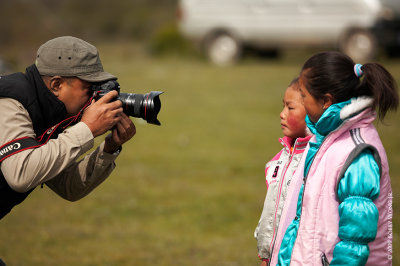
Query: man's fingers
[116, 112]
[123, 130]
[125, 120]
[116, 136]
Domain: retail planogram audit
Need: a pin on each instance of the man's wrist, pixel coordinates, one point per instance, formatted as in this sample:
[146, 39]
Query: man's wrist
[114, 151]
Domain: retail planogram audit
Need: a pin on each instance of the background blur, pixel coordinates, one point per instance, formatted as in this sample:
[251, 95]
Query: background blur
[187, 193]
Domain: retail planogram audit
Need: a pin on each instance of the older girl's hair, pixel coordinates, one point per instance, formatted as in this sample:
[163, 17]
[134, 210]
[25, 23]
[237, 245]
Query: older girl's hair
[333, 72]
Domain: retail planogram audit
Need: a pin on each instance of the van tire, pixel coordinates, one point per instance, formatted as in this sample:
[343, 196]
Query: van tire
[223, 49]
[361, 45]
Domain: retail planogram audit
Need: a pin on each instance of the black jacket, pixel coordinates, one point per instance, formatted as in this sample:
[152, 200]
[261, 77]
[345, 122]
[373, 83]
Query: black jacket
[45, 110]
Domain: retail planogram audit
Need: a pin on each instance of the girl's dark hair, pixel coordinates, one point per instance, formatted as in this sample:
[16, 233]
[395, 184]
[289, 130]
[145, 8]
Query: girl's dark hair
[294, 83]
[333, 72]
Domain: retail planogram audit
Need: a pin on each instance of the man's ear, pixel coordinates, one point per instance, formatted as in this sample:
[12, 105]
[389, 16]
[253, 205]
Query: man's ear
[54, 84]
[327, 101]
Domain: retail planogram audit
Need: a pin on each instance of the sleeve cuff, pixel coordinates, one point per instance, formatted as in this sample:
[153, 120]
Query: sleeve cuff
[108, 156]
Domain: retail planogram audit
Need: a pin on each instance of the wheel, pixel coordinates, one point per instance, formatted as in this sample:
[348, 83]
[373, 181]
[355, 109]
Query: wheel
[360, 45]
[223, 49]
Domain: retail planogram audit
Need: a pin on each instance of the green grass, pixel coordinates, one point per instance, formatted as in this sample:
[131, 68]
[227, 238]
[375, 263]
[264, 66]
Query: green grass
[187, 193]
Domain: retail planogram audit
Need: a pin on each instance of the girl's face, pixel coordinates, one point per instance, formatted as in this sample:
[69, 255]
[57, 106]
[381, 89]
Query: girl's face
[314, 107]
[293, 114]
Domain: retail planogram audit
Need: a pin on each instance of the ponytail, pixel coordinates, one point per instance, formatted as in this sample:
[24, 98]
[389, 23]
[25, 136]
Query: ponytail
[379, 83]
[336, 73]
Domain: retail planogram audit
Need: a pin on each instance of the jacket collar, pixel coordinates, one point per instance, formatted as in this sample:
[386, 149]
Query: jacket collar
[297, 144]
[52, 110]
[336, 114]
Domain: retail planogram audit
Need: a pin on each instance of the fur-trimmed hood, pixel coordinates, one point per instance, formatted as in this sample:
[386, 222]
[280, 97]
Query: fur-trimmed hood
[355, 106]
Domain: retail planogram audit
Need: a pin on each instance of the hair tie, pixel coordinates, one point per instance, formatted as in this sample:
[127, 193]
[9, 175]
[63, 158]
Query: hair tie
[358, 71]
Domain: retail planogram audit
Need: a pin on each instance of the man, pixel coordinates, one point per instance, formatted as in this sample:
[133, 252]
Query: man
[46, 124]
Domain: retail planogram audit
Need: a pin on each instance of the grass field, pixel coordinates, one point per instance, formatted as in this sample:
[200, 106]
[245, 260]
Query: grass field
[189, 192]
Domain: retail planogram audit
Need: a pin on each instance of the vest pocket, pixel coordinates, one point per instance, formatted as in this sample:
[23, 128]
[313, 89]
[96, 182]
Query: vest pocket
[324, 260]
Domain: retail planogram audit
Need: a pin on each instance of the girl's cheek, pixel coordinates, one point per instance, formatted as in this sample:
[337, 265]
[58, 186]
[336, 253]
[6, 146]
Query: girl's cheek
[295, 122]
[292, 121]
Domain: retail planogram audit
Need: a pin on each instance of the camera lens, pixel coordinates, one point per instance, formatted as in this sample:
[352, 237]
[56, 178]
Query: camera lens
[145, 106]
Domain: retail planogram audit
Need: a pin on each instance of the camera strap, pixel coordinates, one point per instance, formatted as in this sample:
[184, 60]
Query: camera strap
[17, 145]
[53, 131]
[25, 143]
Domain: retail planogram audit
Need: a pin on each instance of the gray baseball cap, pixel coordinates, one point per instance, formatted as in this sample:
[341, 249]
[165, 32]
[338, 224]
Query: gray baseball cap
[69, 56]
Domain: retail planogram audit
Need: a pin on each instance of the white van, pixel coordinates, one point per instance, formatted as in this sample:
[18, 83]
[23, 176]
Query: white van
[224, 27]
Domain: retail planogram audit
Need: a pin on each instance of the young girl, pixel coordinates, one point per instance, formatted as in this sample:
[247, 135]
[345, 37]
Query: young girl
[343, 214]
[280, 169]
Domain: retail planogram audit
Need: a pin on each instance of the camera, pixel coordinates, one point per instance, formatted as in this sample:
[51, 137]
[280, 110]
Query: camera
[145, 106]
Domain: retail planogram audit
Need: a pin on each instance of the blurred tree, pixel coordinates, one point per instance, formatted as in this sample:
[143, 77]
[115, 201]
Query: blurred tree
[27, 24]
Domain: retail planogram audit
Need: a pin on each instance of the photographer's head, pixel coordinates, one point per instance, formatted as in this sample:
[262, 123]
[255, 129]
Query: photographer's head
[69, 65]
[73, 92]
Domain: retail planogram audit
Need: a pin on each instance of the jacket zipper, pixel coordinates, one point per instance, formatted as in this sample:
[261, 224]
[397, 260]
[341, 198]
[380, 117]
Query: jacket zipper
[324, 260]
[305, 182]
[277, 206]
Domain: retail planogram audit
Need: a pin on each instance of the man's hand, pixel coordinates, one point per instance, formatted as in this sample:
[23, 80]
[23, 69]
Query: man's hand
[104, 114]
[123, 131]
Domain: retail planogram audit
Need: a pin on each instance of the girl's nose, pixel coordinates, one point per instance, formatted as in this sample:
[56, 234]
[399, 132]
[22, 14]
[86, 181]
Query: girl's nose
[282, 114]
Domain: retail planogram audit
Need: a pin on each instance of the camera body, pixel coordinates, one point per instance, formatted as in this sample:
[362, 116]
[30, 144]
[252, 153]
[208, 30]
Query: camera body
[145, 106]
